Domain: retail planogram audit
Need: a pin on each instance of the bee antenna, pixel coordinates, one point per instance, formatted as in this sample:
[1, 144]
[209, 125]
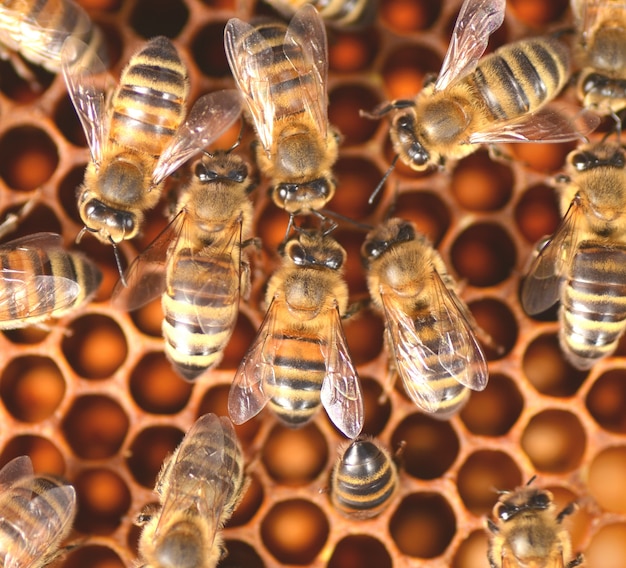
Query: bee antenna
[118, 261]
[381, 183]
[237, 142]
[325, 213]
[385, 108]
[80, 235]
[531, 480]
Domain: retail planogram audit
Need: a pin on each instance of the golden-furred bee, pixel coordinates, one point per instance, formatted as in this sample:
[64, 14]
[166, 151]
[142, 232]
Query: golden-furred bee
[282, 73]
[199, 487]
[600, 53]
[36, 514]
[497, 99]
[584, 264]
[340, 14]
[41, 280]
[198, 266]
[364, 480]
[299, 357]
[37, 30]
[137, 134]
[428, 329]
[528, 532]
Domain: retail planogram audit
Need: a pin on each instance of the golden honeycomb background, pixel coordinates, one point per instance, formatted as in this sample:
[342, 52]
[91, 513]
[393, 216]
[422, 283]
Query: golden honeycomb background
[94, 399]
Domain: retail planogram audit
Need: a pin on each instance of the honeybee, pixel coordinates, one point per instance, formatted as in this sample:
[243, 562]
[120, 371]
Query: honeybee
[196, 264]
[496, 100]
[342, 14]
[583, 264]
[36, 514]
[40, 280]
[281, 73]
[300, 355]
[528, 532]
[38, 29]
[199, 487]
[428, 329]
[600, 53]
[364, 480]
[137, 134]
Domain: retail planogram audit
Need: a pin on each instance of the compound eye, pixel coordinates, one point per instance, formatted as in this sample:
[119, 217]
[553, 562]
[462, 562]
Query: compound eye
[540, 501]
[373, 249]
[297, 254]
[406, 232]
[334, 261]
[582, 161]
[504, 512]
[239, 175]
[201, 172]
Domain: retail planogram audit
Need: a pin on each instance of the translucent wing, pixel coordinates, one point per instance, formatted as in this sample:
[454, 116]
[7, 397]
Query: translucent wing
[341, 390]
[18, 468]
[146, 276]
[87, 84]
[208, 119]
[476, 21]
[306, 36]
[542, 286]
[248, 393]
[250, 56]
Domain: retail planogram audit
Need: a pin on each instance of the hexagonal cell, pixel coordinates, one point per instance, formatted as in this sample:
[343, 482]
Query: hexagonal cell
[295, 457]
[250, 503]
[148, 451]
[605, 482]
[95, 346]
[294, 531]
[483, 254]
[240, 553]
[67, 192]
[95, 426]
[495, 319]
[94, 556]
[345, 116]
[32, 388]
[579, 523]
[405, 68]
[494, 411]
[547, 370]
[151, 18]
[377, 407]
[156, 387]
[405, 16]
[472, 552]
[239, 343]
[423, 525]
[483, 474]
[364, 333]
[555, 441]
[44, 454]
[606, 401]
[360, 550]
[208, 52]
[430, 446]
[66, 119]
[149, 318]
[356, 180]
[353, 51]
[104, 500]
[536, 13]
[40, 219]
[26, 335]
[542, 158]
[19, 89]
[537, 213]
[482, 184]
[607, 548]
[426, 209]
[30, 157]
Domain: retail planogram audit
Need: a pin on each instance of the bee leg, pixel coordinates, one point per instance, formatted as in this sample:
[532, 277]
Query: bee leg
[498, 155]
[493, 528]
[568, 510]
[578, 559]
[12, 220]
[385, 108]
[24, 72]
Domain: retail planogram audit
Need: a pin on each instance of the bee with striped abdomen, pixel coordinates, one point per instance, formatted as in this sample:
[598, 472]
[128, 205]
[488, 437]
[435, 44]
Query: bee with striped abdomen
[36, 514]
[40, 280]
[477, 101]
[429, 331]
[198, 265]
[364, 480]
[584, 263]
[199, 487]
[340, 14]
[299, 358]
[282, 74]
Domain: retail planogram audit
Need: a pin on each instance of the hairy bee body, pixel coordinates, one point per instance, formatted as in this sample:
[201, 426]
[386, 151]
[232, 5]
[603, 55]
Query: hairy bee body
[341, 14]
[529, 532]
[36, 515]
[364, 480]
[199, 487]
[282, 73]
[39, 280]
[299, 358]
[428, 330]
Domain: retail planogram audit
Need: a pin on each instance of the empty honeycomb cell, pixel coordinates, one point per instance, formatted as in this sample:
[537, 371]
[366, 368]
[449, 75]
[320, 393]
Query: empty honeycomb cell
[151, 18]
[344, 115]
[104, 500]
[94, 556]
[21, 90]
[376, 404]
[353, 51]
[95, 426]
[356, 180]
[580, 521]
[240, 553]
[542, 158]
[67, 192]
[429, 446]
[404, 16]
[294, 531]
[273, 229]
[26, 335]
[538, 12]
[554, 441]
[423, 525]
[426, 209]
[67, 122]
[156, 388]
[250, 503]
[148, 450]
[472, 552]
[364, 332]
[239, 343]
[547, 370]
[44, 454]
[353, 270]
[295, 457]
[482, 475]
[360, 550]
[606, 479]
[497, 327]
[405, 69]
[606, 400]
[149, 318]
[493, 411]
[537, 213]
[483, 254]
[208, 50]
[607, 548]
[482, 184]
[40, 219]
[95, 346]
[30, 157]
[31, 388]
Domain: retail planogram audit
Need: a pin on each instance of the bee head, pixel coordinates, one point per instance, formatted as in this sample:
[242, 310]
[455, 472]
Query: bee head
[107, 223]
[380, 240]
[301, 198]
[404, 136]
[223, 166]
[522, 501]
[315, 250]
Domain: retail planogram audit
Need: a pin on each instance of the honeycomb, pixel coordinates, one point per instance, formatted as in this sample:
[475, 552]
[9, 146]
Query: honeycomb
[95, 400]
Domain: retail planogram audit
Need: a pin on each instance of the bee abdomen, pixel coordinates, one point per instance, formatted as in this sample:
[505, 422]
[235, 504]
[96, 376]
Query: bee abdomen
[520, 77]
